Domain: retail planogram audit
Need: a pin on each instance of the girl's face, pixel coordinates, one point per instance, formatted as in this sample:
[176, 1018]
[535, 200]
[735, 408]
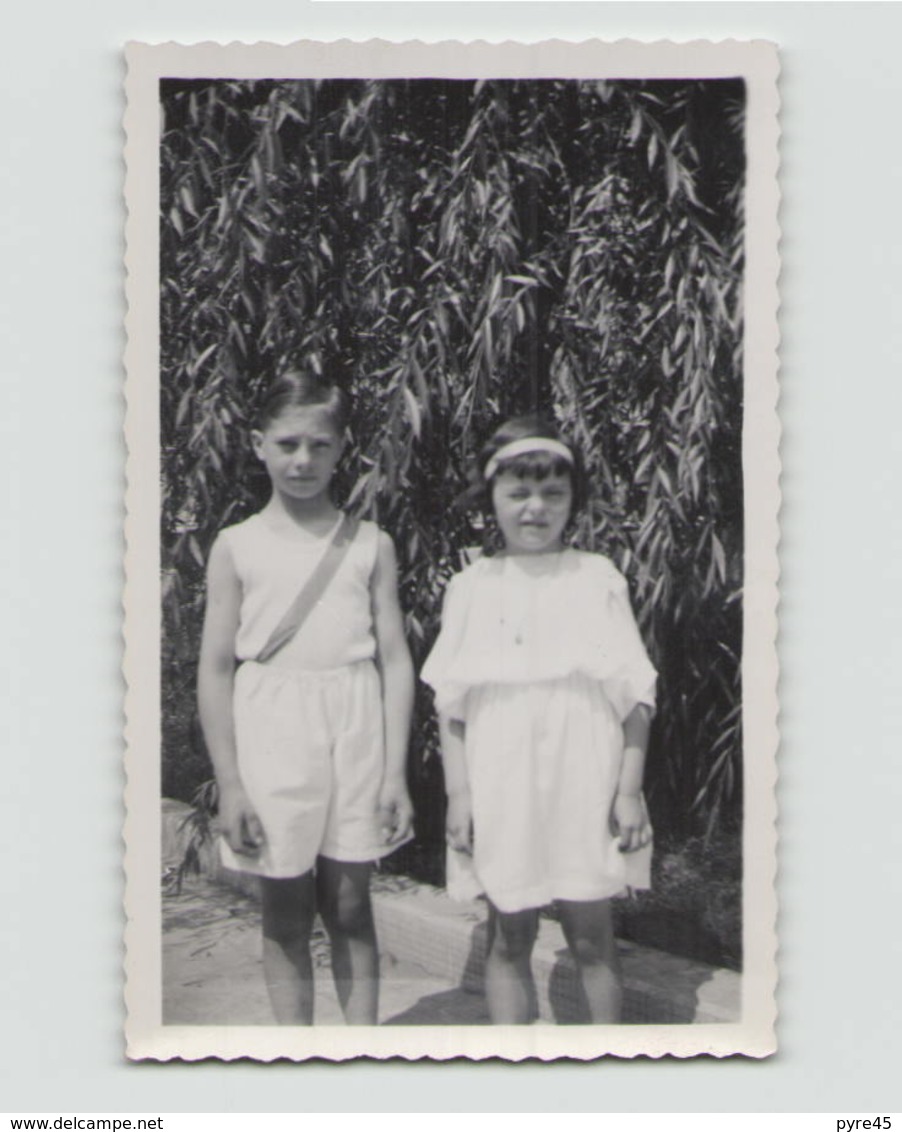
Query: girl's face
[532, 513]
[300, 449]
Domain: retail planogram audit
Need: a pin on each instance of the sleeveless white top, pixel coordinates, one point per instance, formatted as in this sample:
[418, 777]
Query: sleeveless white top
[272, 566]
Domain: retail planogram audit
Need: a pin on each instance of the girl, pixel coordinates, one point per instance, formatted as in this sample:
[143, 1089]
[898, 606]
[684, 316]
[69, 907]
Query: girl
[545, 695]
[306, 717]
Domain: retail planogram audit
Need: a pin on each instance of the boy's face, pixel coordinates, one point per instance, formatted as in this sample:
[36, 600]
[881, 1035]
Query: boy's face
[300, 449]
[532, 513]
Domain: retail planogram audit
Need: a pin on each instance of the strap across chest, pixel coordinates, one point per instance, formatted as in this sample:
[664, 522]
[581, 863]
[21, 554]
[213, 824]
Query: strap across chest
[313, 588]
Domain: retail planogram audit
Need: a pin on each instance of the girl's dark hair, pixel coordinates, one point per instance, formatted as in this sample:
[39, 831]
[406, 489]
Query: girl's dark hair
[297, 390]
[532, 465]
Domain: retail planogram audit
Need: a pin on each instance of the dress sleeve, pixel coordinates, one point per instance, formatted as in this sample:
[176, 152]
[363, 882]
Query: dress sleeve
[633, 678]
[438, 671]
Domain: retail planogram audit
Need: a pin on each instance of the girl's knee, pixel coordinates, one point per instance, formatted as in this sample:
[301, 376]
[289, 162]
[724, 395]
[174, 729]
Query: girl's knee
[513, 936]
[589, 951]
[589, 931]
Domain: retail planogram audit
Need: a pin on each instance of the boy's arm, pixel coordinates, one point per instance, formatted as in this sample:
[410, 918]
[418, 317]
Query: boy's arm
[630, 816]
[215, 684]
[396, 673]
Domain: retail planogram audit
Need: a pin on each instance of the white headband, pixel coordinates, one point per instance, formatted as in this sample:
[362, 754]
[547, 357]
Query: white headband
[527, 444]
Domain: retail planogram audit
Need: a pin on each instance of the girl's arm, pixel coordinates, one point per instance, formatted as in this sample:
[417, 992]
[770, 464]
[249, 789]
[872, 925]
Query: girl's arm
[459, 820]
[396, 672]
[629, 815]
[215, 683]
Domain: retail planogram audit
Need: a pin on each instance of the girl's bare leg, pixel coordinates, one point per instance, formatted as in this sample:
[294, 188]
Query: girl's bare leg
[589, 930]
[289, 907]
[509, 988]
[343, 894]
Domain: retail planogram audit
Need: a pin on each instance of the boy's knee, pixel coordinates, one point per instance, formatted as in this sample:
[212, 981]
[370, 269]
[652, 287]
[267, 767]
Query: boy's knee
[288, 910]
[287, 927]
[349, 915]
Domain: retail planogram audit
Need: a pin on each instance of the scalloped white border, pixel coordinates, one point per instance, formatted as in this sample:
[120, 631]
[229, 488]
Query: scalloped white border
[757, 62]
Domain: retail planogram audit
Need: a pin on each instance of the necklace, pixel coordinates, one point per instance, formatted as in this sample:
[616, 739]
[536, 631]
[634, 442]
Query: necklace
[521, 592]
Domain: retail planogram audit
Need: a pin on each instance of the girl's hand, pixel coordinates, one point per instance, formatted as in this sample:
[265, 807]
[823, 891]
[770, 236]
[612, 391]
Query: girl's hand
[629, 819]
[395, 812]
[459, 822]
[239, 822]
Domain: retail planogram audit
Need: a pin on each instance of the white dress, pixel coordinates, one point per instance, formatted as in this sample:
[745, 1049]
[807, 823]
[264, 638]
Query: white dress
[540, 657]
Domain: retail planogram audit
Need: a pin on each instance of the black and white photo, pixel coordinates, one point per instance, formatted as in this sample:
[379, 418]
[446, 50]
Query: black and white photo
[451, 571]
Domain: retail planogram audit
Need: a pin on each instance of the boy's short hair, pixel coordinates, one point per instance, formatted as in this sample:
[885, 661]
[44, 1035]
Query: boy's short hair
[295, 389]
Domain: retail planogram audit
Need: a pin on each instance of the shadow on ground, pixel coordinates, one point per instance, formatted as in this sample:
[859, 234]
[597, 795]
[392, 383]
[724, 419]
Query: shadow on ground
[455, 1007]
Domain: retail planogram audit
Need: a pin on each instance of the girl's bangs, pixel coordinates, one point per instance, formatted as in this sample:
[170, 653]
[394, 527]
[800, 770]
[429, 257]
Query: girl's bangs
[536, 465]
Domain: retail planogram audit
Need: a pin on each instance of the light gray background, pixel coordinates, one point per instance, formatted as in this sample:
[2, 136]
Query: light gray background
[61, 467]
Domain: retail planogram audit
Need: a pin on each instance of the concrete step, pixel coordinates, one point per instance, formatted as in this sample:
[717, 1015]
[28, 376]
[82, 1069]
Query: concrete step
[213, 970]
[419, 924]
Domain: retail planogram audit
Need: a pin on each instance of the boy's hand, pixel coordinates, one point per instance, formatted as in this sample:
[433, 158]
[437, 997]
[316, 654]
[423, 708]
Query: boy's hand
[629, 819]
[239, 823]
[395, 812]
[459, 822]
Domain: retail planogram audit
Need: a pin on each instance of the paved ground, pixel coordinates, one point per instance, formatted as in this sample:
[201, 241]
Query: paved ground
[431, 948]
[213, 975]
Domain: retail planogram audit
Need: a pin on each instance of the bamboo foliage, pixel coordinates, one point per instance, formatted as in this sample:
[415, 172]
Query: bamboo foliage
[455, 252]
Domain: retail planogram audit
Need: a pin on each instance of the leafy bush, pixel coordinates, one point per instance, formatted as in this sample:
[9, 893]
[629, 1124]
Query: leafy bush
[455, 252]
[695, 902]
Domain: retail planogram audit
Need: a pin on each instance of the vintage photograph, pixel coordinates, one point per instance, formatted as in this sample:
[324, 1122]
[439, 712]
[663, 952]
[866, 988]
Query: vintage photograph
[452, 523]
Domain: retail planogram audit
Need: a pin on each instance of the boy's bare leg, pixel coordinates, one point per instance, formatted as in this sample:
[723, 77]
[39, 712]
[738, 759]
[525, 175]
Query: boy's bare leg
[589, 930]
[289, 907]
[509, 987]
[343, 895]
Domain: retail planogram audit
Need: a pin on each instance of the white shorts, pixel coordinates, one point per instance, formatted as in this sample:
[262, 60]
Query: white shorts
[311, 758]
